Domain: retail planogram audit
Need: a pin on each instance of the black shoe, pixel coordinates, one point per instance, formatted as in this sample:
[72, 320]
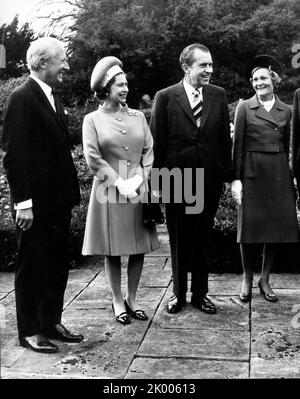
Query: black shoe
[175, 304]
[61, 333]
[138, 314]
[204, 304]
[38, 343]
[268, 297]
[122, 318]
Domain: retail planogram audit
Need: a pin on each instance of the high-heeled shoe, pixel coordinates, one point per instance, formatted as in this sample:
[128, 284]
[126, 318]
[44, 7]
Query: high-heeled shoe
[267, 296]
[122, 318]
[138, 314]
[245, 296]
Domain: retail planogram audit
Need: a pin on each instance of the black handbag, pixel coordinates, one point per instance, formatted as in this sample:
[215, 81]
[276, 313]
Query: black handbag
[152, 214]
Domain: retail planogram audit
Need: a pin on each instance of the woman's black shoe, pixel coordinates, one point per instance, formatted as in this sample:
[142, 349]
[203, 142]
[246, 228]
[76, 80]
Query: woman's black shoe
[268, 297]
[122, 318]
[138, 314]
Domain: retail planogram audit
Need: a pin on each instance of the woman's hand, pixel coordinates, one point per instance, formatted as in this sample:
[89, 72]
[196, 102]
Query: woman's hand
[237, 191]
[126, 187]
[134, 182]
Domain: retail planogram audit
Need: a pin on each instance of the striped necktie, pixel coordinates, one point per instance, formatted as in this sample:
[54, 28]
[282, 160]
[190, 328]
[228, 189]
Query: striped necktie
[197, 107]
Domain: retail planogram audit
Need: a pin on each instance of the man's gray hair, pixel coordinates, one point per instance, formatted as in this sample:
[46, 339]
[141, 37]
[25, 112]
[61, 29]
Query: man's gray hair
[44, 48]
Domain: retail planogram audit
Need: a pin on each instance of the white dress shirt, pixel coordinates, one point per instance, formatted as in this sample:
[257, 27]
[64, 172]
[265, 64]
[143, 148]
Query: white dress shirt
[46, 89]
[190, 92]
[48, 93]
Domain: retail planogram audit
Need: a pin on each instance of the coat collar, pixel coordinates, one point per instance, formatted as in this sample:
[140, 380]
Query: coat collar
[183, 101]
[261, 111]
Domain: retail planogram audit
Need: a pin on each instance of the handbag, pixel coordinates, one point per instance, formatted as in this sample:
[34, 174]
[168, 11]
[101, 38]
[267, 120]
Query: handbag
[152, 214]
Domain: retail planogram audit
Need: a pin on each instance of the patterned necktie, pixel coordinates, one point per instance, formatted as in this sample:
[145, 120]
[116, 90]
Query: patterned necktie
[197, 107]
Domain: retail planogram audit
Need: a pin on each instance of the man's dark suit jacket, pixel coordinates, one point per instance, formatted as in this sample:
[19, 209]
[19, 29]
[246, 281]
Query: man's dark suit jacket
[178, 142]
[296, 136]
[38, 162]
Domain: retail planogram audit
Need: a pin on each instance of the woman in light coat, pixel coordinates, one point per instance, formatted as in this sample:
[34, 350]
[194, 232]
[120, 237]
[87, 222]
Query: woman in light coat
[118, 149]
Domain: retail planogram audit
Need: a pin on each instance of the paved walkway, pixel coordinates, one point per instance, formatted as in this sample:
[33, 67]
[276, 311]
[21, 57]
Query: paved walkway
[256, 340]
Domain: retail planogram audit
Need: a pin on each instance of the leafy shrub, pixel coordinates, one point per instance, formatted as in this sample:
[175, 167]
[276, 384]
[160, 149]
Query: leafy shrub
[7, 86]
[75, 116]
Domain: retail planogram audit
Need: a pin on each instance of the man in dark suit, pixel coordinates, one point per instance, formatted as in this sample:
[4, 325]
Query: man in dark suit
[190, 125]
[296, 138]
[44, 189]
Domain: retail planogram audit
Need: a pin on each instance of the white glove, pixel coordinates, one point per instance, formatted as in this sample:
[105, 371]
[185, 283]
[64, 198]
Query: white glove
[134, 182]
[126, 187]
[237, 191]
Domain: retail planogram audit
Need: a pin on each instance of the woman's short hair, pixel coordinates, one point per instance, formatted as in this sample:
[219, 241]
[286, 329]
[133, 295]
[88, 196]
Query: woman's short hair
[276, 79]
[187, 54]
[102, 93]
[42, 49]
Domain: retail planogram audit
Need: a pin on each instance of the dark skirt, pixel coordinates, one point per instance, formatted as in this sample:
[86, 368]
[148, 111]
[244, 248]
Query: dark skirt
[268, 210]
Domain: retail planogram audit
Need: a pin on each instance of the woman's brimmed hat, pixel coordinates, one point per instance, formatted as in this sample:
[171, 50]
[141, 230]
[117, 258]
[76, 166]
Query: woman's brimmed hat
[104, 71]
[265, 61]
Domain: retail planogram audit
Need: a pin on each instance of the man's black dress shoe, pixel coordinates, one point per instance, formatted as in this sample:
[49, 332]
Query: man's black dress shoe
[38, 343]
[204, 304]
[175, 304]
[61, 333]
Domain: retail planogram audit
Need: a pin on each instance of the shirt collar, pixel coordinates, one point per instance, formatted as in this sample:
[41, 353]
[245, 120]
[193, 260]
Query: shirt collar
[190, 90]
[46, 88]
[269, 102]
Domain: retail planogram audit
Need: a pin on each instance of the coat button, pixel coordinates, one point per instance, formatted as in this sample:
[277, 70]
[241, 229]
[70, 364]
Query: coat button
[128, 163]
[124, 131]
[275, 128]
[125, 147]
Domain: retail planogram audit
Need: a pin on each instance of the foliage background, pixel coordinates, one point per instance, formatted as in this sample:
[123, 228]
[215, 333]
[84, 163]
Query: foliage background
[148, 36]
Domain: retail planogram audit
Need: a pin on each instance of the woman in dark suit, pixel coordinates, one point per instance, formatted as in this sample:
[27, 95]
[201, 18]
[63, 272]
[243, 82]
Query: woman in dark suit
[263, 185]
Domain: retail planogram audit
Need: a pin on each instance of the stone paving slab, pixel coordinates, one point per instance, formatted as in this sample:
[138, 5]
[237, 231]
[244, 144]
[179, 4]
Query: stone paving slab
[93, 297]
[6, 282]
[204, 344]
[173, 368]
[284, 368]
[162, 251]
[280, 313]
[189, 344]
[106, 352]
[85, 275]
[231, 314]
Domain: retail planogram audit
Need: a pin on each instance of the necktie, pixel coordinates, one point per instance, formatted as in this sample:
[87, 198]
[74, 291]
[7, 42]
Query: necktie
[52, 101]
[197, 107]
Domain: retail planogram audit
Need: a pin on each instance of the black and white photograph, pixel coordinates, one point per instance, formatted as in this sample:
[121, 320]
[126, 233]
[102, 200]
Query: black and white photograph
[149, 193]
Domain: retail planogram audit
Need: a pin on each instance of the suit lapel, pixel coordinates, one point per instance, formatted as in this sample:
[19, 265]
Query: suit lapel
[207, 102]
[44, 100]
[183, 101]
[261, 112]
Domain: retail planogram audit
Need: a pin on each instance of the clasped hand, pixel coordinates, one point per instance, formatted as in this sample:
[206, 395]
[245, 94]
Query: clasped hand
[237, 191]
[129, 186]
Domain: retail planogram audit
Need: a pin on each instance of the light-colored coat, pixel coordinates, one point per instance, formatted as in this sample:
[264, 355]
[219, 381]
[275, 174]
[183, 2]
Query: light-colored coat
[116, 145]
